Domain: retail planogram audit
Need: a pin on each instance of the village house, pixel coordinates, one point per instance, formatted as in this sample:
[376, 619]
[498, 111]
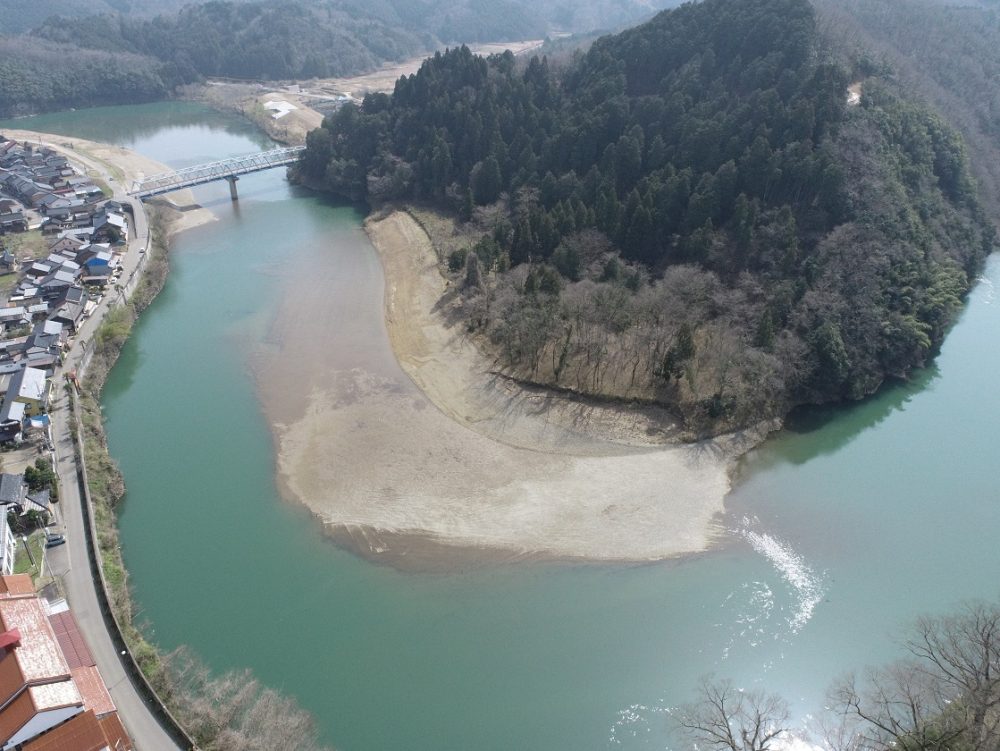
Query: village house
[55, 284]
[38, 311]
[70, 314]
[14, 318]
[37, 270]
[11, 421]
[13, 491]
[41, 350]
[52, 695]
[30, 387]
[39, 501]
[13, 221]
[8, 547]
[67, 244]
[8, 262]
[110, 227]
[10, 350]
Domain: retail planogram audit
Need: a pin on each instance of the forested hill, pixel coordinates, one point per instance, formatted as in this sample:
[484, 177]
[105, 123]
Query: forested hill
[957, 68]
[275, 40]
[20, 16]
[282, 39]
[143, 59]
[148, 47]
[40, 76]
[690, 213]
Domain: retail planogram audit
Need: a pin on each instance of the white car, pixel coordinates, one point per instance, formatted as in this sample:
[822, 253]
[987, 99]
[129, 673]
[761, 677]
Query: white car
[142, 249]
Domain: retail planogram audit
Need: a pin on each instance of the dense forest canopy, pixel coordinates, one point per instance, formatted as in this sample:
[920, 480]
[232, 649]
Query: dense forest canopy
[285, 39]
[23, 15]
[957, 67]
[278, 39]
[453, 19]
[35, 77]
[174, 42]
[688, 213]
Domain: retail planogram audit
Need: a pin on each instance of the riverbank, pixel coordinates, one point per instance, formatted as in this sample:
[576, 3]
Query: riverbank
[171, 700]
[439, 461]
[118, 167]
[89, 568]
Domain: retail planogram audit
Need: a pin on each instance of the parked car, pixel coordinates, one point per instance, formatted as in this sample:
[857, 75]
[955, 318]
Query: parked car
[52, 541]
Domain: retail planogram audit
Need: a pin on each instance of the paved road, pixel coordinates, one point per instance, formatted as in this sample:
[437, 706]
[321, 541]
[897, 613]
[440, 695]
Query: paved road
[70, 562]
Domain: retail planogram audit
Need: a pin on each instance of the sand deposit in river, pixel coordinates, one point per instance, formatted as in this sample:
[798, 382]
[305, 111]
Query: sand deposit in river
[432, 447]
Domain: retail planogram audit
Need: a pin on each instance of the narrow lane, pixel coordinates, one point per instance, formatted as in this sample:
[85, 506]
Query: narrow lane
[70, 562]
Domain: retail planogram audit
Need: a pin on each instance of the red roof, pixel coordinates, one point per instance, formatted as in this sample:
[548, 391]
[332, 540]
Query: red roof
[16, 584]
[91, 687]
[71, 640]
[81, 733]
[38, 654]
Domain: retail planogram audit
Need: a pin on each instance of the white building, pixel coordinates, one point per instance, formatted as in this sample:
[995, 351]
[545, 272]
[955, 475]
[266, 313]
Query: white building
[8, 545]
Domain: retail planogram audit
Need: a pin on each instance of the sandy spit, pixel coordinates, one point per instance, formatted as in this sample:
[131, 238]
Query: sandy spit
[122, 166]
[431, 454]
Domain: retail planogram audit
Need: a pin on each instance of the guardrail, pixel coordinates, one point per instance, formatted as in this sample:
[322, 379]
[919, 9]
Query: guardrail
[225, 169]
[142, 685]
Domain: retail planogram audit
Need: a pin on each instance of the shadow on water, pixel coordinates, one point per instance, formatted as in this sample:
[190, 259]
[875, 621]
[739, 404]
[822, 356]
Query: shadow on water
[131, 358]
[852, 418]
[126, 367]
[814, 431]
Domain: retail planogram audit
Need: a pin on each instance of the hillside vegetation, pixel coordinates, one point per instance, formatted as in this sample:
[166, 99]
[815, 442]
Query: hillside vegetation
[957, 67]
[97, 52]
[37, 76]
[282, 39]
[688, 213]
[20, 16]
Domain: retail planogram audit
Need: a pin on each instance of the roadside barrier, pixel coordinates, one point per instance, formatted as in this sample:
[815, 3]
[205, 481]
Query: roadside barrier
[142, 685]
[132, 669]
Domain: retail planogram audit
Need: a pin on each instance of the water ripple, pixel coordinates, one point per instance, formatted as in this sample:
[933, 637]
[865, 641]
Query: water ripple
[990, 290]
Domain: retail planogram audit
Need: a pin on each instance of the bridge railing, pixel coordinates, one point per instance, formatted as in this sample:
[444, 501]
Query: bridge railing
[220, 170]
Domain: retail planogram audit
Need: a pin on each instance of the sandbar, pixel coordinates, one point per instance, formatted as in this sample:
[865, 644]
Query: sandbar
[413, 446]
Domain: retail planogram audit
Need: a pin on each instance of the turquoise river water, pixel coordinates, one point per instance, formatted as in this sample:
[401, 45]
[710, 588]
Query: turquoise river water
[843, 528]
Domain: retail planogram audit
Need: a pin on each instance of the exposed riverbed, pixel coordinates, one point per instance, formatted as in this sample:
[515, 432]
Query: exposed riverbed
[481, 470]
[838, 532]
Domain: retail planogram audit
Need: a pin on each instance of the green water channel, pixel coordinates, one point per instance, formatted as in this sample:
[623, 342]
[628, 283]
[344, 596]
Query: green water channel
[843, 527]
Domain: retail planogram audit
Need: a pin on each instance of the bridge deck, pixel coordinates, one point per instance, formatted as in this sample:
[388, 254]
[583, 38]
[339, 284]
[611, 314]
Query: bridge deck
[222, 170]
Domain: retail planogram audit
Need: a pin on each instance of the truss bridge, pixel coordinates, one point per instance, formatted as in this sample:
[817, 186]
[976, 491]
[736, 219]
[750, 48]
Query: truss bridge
[227, 169]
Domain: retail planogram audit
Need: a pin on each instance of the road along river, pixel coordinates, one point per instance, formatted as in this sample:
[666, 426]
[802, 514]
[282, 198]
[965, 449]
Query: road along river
[840, 529]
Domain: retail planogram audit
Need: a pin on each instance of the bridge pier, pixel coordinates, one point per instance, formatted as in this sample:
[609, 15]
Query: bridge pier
[227, 169]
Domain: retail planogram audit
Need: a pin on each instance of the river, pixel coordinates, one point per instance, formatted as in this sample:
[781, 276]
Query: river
[844, 527]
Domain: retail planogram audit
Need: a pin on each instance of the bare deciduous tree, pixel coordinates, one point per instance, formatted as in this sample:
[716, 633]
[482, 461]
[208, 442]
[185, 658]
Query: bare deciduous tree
[233, 711]
[732, 719]
[961, 653]
[899, 706]
[946, 697]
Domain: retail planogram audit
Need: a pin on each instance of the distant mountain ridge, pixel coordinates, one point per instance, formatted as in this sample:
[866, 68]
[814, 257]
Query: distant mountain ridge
[20, 16]
[172, 42]
[565, 15]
